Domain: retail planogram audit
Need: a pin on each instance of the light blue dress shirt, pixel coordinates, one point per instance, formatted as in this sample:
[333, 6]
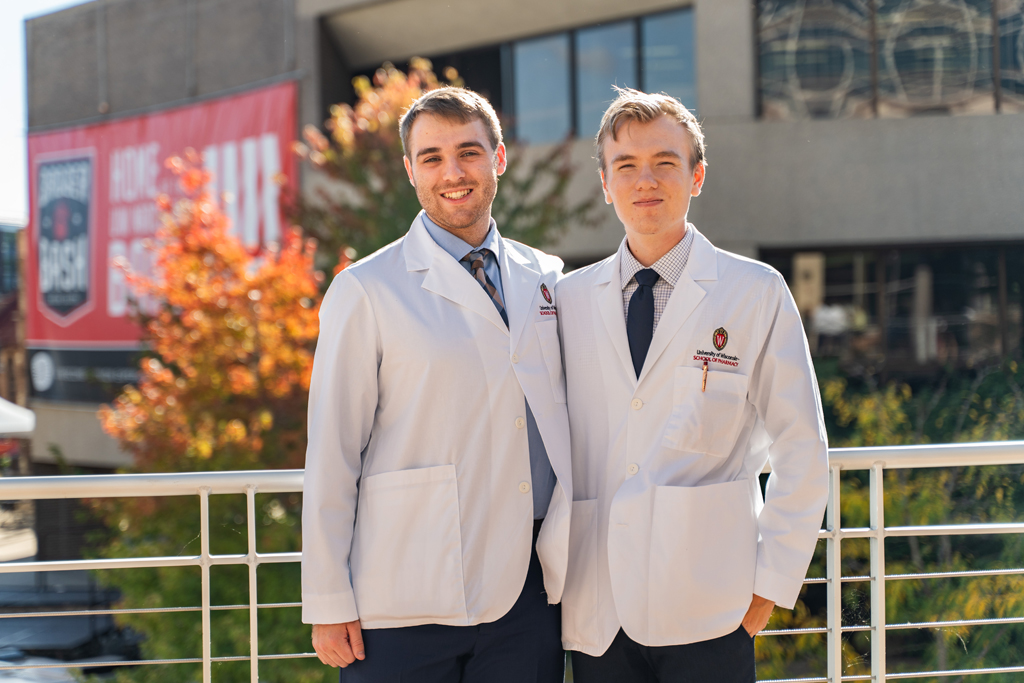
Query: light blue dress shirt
[541, 474]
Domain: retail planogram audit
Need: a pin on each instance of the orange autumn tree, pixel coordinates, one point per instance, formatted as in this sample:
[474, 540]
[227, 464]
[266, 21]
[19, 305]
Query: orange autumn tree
[222, 386]
[230, 348]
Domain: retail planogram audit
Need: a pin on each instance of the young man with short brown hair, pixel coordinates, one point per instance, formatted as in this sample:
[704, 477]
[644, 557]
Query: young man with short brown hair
[438, 486]
[687, 371]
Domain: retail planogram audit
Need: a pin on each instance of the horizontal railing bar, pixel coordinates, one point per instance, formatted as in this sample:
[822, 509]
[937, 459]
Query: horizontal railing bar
[97, 665]
[926, 530]
[143, 610]
[956, 622]
[967, 573]
[80, 565]
[144, 562]
[290, 481]
[954, 530]
[956, 672]
[149, 662]
[139, 485]
[793, 631]
[929, 455]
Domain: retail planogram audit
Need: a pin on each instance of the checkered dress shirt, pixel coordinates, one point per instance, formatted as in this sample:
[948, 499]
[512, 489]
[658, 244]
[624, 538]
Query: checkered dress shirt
[669, 267]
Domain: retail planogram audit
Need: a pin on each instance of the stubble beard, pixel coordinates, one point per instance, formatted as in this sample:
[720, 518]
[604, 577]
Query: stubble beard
[458, 220]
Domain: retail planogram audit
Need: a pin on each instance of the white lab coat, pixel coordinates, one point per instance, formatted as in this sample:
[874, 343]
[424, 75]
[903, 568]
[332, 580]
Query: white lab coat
[670, 537]
[416, 504]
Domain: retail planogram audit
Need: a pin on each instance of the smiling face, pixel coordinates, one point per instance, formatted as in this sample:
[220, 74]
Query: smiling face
[455, 173]
[649, 180]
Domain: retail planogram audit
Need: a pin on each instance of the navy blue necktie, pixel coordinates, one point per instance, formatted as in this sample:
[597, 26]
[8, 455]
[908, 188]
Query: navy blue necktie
[640, 319]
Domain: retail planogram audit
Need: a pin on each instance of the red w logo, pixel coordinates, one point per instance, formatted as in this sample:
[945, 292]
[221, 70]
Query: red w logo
[720, 338]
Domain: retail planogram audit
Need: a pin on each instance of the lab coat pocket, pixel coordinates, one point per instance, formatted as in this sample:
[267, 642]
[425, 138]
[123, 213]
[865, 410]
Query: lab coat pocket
[407, 549]
[579, 598]
[703, 558]
[706, 417]
[547, 332]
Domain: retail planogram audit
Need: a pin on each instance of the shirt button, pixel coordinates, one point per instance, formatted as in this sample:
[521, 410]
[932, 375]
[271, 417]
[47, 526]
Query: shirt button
[520, 423]
[637, 404]
[515, 358]
[633, 468]
[524, 487]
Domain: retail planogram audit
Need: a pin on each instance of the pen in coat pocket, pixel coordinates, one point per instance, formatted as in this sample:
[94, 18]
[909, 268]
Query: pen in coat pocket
[704, 379]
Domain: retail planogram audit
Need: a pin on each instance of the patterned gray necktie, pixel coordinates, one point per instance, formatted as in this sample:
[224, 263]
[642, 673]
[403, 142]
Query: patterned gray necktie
[476, 259]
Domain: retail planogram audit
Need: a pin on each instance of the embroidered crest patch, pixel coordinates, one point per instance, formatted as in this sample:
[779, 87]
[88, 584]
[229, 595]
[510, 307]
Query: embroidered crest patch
[545, 293]
[720, 338]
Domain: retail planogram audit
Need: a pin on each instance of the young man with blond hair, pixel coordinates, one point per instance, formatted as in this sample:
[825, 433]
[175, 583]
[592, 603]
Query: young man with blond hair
[687, 370]
[438, 483]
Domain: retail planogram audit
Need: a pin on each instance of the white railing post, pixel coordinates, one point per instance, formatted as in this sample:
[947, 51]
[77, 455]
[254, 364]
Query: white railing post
[834, 573]
[254, 646]
[877, 572]
[204, 567]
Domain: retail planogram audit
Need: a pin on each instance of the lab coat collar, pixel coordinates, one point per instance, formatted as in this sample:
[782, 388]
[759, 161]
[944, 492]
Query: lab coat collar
[520, 282]
[445, 276]
[702, 266]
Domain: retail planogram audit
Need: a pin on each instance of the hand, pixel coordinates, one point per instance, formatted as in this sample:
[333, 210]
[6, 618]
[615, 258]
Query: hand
[757, 615]
[338, 644]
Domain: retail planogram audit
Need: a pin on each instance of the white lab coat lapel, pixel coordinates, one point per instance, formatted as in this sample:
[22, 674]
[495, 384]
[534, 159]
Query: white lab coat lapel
[702, 267]
[445, 276]
[520, 285]
[608, 300]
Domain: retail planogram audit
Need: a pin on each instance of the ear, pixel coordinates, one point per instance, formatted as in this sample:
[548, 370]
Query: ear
[604, 186]
[500, 159]
[698, 180]
[408, 170]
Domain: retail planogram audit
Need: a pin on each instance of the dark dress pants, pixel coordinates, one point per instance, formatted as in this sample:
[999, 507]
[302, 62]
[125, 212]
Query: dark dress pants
[729, 659]
[524, 646]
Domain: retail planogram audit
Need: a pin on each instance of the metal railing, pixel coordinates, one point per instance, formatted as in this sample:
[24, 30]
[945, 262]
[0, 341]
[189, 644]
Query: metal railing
[205, 484]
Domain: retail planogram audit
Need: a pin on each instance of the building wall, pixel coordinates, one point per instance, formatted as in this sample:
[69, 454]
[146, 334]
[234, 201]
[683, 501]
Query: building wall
[113, 57]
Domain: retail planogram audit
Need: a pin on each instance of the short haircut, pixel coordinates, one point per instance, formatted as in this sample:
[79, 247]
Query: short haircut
[633, 105]
[455, 104]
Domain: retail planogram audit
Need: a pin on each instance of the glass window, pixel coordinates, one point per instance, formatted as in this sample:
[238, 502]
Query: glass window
[667, 64]
[910, 310]
[605, 56]
[815, 59]
[1011, 55]
[542, 89]
[934, 57]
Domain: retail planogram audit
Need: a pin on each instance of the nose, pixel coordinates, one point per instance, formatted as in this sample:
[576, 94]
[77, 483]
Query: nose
[453, 169]
[646, 180]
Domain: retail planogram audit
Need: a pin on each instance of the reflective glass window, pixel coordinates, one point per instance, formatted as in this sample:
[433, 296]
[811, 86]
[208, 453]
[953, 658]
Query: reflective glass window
[667, 63]
[542, 89]
[1011, 54]
[605, 56]
[934, 57]
[815, 58]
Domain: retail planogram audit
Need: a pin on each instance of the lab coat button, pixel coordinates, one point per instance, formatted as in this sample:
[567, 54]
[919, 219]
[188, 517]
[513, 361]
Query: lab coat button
[515, 358]
[633, 468]
[520, 423]
[637, 404]
[524, 487]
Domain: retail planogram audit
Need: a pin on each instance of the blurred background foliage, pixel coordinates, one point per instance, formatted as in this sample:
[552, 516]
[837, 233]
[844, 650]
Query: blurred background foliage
[986, 404]
[224, 387]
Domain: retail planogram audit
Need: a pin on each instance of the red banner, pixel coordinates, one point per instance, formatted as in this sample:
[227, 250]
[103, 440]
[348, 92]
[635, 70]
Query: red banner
[92, 192]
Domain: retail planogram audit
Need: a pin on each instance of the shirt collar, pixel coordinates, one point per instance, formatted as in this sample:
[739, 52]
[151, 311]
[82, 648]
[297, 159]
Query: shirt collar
[669, 267]
[458, 247]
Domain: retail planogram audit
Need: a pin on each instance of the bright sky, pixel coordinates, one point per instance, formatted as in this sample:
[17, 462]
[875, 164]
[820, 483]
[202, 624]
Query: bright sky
[13, 119]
